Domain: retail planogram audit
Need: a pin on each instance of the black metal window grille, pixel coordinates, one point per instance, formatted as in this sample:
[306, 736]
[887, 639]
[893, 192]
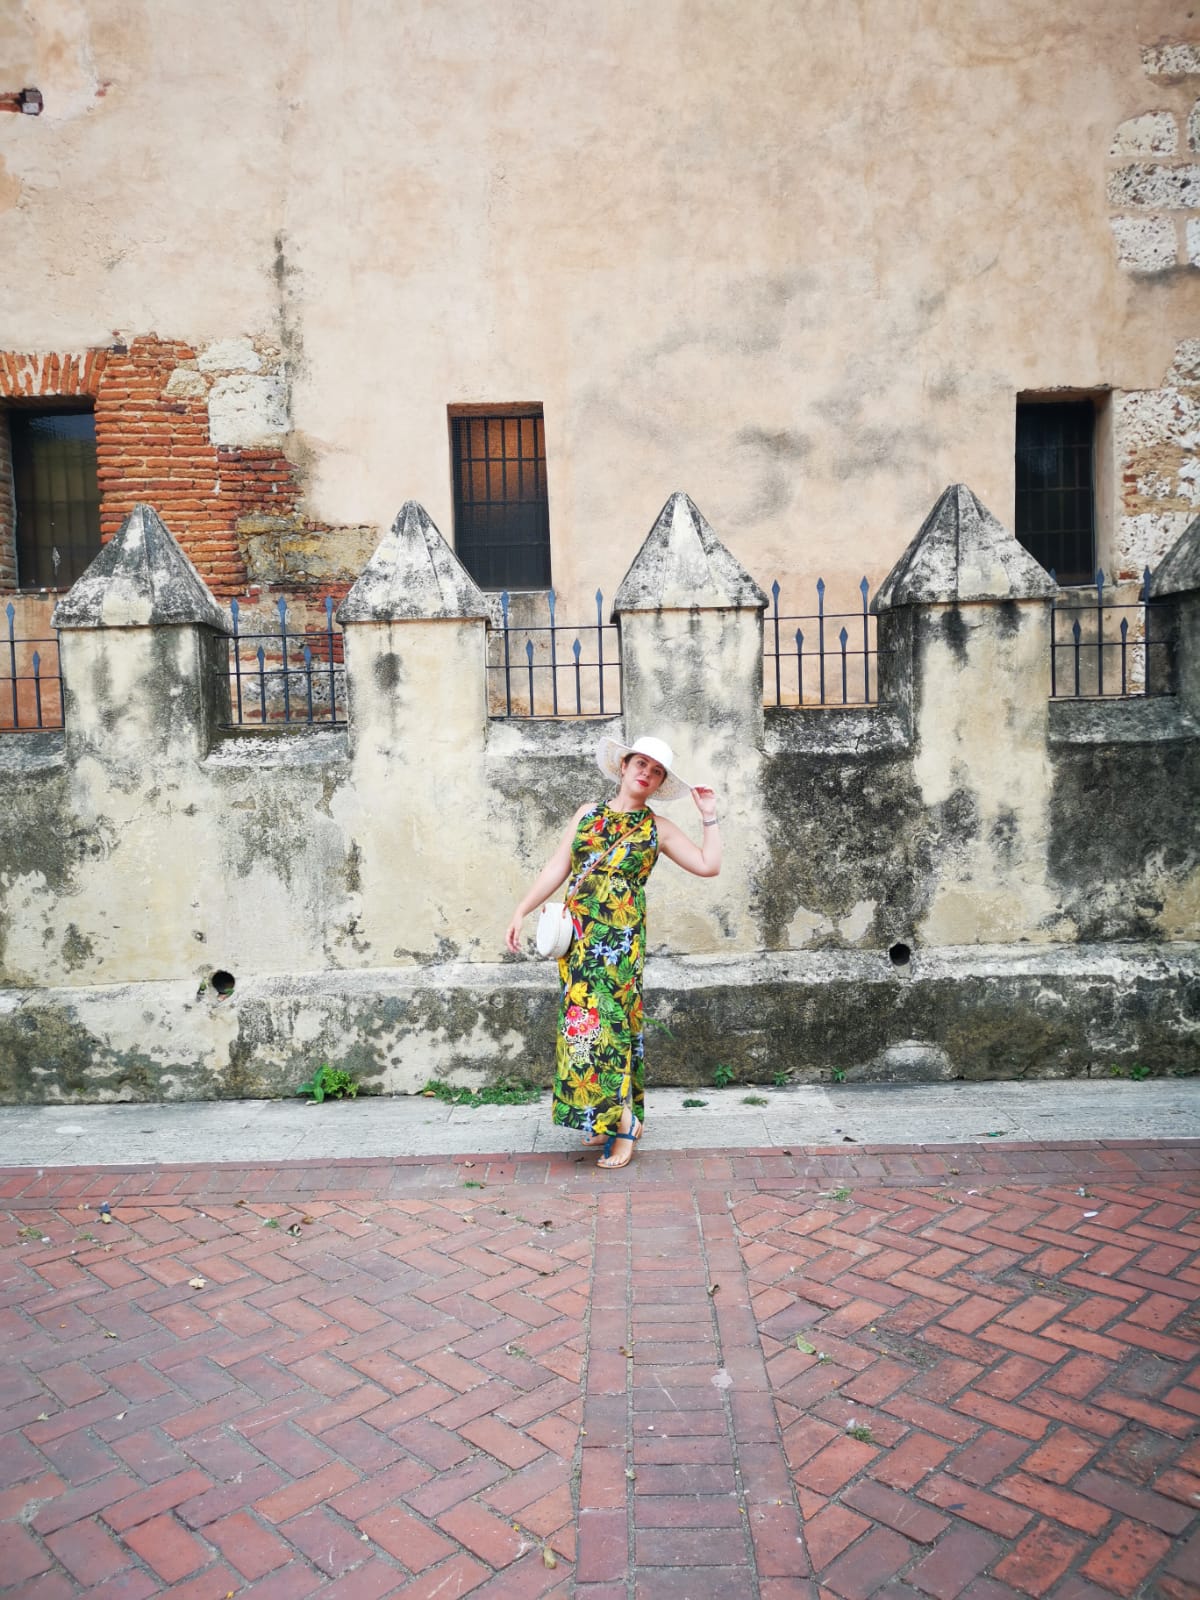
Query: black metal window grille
[30, 682]
[286, 679]
[554, 671]
[56, 494]
[501, 511]
[1055, 498]
[823, 658]
[1102, 650]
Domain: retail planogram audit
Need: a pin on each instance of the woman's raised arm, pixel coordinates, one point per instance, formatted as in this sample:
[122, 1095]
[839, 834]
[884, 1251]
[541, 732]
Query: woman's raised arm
[704, 859]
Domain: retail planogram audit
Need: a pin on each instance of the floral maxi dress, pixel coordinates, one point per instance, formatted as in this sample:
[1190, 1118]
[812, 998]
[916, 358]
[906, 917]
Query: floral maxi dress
[600, 1056]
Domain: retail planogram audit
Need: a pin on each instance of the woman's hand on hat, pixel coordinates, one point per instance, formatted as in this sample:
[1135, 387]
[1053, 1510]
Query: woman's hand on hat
[705, 801]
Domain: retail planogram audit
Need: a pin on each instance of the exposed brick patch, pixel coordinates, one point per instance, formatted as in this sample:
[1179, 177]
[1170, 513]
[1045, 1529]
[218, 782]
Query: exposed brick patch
[152, 444]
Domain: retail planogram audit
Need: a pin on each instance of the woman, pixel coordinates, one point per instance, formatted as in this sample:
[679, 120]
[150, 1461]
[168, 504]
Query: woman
[608, 852]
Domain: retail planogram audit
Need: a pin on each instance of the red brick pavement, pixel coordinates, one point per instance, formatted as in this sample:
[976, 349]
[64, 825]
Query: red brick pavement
[917, 1374]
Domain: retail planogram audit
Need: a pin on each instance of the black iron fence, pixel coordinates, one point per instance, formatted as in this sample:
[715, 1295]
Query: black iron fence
[286, 678]
[551, 670]
[30, 680]
[820, 658]
[1106, 649]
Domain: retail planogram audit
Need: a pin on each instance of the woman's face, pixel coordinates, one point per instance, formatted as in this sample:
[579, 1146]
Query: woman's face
[642, 775]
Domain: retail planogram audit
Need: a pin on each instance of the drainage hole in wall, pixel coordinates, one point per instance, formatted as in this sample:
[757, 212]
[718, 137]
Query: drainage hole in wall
[899, 955]
[222, 982]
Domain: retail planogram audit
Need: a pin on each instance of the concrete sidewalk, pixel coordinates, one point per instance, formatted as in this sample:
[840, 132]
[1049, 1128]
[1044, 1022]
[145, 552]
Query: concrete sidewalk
[884, 1114]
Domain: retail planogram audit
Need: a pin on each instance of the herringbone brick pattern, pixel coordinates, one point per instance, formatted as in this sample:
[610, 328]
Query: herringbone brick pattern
[767, 1375]
[986, 1393]
[356, 1396]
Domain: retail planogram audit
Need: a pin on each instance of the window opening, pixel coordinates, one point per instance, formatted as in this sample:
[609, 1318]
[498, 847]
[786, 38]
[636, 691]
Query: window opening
[1055, 493]
[56, 495]
[501, 510]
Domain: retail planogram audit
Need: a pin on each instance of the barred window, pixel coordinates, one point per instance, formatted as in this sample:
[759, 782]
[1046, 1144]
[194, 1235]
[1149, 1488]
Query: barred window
[1055, 501]
[56, 495]
[501, 510]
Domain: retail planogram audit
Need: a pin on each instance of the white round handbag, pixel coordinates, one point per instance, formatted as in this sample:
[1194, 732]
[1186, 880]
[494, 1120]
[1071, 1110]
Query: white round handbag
[555, 930]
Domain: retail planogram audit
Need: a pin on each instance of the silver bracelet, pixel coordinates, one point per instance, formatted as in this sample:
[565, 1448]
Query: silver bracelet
[711, 822]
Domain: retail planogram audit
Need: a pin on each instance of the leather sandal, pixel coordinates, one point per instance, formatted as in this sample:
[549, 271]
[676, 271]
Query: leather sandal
[606, 1161]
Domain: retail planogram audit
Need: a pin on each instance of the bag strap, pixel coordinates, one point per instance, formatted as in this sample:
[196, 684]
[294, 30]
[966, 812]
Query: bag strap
[590, 866]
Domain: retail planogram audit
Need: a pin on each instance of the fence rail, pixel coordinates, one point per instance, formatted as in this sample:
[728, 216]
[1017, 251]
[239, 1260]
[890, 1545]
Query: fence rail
[1101, 649]
[286, 679]
[816, 666]
[30, 681]
[543, 671]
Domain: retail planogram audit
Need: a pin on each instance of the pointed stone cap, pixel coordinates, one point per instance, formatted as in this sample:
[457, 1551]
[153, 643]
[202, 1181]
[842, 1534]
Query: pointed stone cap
[1179, 570]
[140, 579]
[414, 576]
[683, 565]
[962, 553]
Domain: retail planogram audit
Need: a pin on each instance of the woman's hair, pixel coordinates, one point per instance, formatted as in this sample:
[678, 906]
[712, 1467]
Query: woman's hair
[629, 755]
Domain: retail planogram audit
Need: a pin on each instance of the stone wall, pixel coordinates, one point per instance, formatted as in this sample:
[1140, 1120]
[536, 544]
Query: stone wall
[968, 880]
[1154, 185]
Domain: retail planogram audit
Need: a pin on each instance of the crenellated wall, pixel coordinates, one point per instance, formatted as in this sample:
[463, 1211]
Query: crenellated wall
[968, 880]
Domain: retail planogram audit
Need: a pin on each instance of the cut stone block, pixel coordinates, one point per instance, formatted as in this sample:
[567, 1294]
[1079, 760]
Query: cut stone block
[414, 576]
[1146, 540]
[1193, 241]
[186, 384]
[962, 552]
[1171, 60]
[682, 566]
[1185, 369]
[1145, 244]
[140, 579]
[246, 410]
[1154, 133]
[1179, 570]
[1153, 187]
[230, 355]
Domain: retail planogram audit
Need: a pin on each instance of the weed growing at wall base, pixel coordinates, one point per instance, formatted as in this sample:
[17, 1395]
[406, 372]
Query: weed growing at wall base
[329, 1083]
[508, 1092]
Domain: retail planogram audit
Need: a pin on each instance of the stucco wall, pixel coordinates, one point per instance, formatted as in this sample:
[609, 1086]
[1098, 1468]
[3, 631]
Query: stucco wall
[1040, 864]
[801, 257]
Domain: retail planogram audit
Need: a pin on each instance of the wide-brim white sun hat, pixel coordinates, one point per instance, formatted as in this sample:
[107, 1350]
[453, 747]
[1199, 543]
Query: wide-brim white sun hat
[611, 752]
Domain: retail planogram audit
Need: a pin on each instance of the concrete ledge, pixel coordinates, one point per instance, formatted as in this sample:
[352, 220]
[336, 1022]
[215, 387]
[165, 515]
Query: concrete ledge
[301, 746]
[33, 752]
[974, 1012]
[836, 730]
[1145, 719]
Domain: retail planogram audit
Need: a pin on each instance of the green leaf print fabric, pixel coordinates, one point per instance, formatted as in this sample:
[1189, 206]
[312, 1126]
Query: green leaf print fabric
[600, 1056]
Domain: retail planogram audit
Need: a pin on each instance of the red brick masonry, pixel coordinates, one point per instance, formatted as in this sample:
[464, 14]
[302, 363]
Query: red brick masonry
[154, 448]
[519, 1377]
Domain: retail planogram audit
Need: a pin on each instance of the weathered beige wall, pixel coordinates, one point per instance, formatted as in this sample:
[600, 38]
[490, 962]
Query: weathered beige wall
[798, 257]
